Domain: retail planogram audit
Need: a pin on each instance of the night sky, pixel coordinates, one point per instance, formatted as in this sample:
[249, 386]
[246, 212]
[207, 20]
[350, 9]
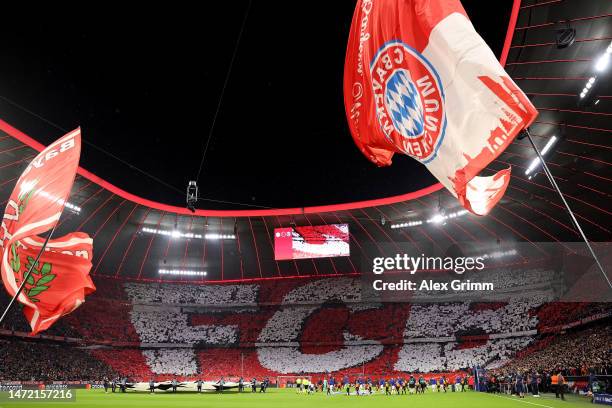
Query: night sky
[144, 85]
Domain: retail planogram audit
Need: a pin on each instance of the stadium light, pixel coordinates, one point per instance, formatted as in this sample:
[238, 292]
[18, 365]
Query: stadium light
[407, 224]
[73, 207]
[436, 219]
[535, 162]
[219, 236]
[439, 218]
[70, 206]
[182, 272]
[500, 254]
[603, 61]
[587, 87]
[178, 234]
[601, 65]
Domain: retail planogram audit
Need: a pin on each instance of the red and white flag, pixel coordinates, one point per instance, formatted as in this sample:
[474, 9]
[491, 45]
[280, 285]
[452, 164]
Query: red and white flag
[60, 279]
[419, 80]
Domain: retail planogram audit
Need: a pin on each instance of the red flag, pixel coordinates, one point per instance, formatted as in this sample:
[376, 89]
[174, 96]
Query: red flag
[419, 80]
[60, 279]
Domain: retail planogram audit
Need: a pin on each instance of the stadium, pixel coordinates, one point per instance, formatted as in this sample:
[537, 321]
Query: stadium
[225, 243]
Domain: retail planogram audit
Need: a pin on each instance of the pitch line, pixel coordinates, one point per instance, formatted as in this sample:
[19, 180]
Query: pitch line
[520, 400]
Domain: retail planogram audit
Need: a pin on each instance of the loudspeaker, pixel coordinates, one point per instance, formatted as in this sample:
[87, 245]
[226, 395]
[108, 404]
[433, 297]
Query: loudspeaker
[565, 37]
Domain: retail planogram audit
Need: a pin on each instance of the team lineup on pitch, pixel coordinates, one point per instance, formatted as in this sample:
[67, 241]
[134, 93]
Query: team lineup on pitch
[289, 398]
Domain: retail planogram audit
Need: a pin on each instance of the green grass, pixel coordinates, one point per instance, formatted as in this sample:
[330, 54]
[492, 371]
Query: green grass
[287, 398]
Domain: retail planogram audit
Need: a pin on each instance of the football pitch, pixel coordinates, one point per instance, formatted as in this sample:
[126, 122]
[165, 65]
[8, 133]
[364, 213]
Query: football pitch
[288, 398]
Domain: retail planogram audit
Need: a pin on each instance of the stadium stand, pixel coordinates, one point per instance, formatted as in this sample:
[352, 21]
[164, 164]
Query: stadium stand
[192, 294]
[578, 352]
[128, 362]
[315, 326]
[171, 327]
[43, 361]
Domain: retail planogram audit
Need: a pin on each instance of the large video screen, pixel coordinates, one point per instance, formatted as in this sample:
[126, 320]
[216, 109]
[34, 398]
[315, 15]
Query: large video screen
[320, 241]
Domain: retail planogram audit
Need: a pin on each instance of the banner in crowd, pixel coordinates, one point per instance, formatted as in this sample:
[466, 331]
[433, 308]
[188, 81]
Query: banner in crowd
[603, 399]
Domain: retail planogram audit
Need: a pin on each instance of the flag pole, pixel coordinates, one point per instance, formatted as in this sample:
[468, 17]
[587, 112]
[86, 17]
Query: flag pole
[552, 181]
[26, 276]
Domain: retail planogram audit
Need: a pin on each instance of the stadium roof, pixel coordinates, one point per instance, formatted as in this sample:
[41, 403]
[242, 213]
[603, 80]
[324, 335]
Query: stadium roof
[156, 79]
[530, 211]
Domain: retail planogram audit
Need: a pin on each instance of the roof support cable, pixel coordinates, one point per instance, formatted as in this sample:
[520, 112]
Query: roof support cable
[227, 77]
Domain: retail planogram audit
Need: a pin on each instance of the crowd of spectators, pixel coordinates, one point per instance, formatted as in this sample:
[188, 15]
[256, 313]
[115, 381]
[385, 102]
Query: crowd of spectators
[43, 361]
[210, 295]
[445, 319]
[178, 361]
[159, 326]
[100, 318]
[560, 313]
[449, 356]
[290, 359]
[130, 362]
[515, 278]
[322, 290]
[312, 326]
[577, 353]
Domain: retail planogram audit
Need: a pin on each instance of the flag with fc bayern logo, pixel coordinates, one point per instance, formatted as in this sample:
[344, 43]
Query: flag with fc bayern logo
[419, 80]
[60, 279]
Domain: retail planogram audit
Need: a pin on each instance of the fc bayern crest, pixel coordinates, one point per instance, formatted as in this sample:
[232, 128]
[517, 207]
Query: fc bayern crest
[409, 100]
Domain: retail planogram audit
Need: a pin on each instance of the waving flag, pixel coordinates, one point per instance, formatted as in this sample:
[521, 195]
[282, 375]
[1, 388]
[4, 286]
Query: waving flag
[60, 279]
[419, 80]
